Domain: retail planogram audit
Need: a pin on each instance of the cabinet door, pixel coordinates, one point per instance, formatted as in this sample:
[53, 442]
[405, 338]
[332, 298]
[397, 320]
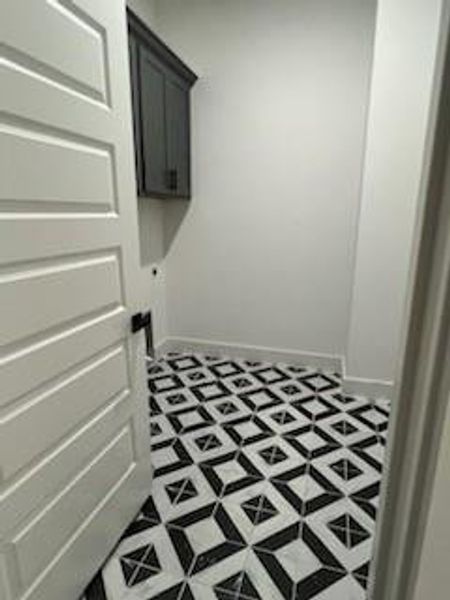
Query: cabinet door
[177, 125]
[152, 80]
[134, 77]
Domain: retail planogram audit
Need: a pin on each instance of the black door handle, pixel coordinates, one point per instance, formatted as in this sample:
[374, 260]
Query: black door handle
[140, 321]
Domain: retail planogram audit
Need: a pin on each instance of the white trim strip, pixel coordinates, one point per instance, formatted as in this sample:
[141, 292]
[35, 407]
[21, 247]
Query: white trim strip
[327, 362]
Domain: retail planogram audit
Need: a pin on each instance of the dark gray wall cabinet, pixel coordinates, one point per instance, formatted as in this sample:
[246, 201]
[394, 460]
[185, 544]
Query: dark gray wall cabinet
[160, 87]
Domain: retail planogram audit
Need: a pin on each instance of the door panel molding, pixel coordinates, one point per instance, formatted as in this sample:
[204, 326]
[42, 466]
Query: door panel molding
[73, 416]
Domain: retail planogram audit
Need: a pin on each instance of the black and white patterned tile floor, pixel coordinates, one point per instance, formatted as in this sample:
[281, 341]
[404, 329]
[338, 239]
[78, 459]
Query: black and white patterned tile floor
[266, 484]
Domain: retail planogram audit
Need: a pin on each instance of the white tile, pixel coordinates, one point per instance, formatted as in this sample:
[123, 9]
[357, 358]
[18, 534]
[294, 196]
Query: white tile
[298, 560]
[201, 534]
[344, 589]
[163, 457]
[230, 472]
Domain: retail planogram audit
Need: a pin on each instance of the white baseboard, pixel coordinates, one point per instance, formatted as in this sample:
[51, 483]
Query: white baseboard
[372, 388]
[162, 348]
[360, 386]
[326, 362]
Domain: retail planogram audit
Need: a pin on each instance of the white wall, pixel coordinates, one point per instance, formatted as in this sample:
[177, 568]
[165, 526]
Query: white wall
[401, 91]
[263, 253]
[145, 10]
[151, 229]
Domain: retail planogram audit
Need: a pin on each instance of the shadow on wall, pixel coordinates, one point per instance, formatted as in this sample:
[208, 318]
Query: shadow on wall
[159, 222]
[173, 216]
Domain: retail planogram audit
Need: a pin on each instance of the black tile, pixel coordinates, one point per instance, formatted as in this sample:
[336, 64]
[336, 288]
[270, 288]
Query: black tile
[346, 469]
[150, 511]
[282, 417]
[154, 407]
[141, 574]
[344, 427]
[317, 582]
[242, 382]
[208, 442]
[155, 429]
[252, 364]
[154, 369]
[128, 569]
[181, 490]
[259, 509]
[252, 513]
[267, 505]
[227, 408]
[273, 455]
[238, 586]
[139, 565]
[348, 530]
[343, 399]
[361, 574]
[196, 376]
[291, 389]
[96, 589]
[296, 369]
[177, 399]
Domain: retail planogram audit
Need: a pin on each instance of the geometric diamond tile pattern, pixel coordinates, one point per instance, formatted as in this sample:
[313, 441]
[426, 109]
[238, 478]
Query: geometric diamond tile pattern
[265, 485]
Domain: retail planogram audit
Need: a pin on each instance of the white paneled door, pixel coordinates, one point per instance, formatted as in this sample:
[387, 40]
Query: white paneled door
[74, 465]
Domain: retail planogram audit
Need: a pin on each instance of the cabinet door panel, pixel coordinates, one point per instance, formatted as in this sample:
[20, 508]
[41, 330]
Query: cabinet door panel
[177, 124]
[152, 76]
[133, 46]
